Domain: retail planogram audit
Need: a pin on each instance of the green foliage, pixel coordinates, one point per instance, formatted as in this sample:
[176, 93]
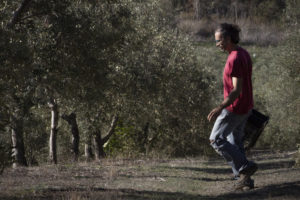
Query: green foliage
[35, 137]
[97, 59]
[164, 85]
[263, 11]
[101, 58]
[5, 158]
[269, 10]
[292, 12]
[277, 84]
[122, 143]
[5, 151]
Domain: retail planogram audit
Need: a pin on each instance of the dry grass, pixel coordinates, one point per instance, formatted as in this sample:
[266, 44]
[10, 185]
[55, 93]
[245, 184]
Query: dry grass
[187, 179]
[260, 33]
[252, 32]
[199, 29]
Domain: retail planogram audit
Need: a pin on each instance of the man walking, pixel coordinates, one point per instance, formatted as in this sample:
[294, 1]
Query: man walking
[232, 114]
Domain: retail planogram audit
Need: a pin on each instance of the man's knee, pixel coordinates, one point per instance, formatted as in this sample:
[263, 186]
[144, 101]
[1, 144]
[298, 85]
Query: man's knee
[214, 145]
[218, 145]
[216, 148]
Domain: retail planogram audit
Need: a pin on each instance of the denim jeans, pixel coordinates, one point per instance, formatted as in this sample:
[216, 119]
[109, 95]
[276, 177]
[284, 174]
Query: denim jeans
[227, 136]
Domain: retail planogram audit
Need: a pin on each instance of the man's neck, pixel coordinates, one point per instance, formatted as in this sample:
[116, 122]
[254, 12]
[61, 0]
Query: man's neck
[231, 48]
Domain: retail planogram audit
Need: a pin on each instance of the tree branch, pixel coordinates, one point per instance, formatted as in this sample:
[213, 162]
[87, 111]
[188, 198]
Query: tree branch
[33, 15]
[111, 130]
[18, 13]
[69, 118]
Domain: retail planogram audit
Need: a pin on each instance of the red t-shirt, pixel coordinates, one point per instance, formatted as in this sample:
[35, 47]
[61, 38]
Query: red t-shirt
[239, 65]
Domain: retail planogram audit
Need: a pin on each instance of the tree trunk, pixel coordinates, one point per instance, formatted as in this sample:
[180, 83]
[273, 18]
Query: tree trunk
[235, 12]
[145, 139]
[18, 149]
[71, 119]
[88, 152]
[99, 141]
[199, 9]
[21, 108]
[98, 144]
[53, 133]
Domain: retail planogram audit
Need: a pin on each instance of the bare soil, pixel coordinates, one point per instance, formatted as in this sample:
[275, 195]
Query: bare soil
[172, 179]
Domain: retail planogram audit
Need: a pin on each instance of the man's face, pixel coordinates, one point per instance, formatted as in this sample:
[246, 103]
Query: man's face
[221, 42]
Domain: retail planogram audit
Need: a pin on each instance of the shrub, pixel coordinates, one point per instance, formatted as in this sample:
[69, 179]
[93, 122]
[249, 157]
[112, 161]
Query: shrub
[277, 84]
[5, 158]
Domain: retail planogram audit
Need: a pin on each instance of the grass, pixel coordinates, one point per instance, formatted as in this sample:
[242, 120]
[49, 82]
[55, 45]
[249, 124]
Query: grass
[193, 178]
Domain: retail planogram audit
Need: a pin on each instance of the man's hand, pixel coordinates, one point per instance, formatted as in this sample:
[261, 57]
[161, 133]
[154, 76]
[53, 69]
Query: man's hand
[214, 114]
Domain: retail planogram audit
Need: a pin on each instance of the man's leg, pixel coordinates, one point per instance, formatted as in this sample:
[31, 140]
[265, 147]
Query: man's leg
[225, 124]
[230, 138]
[236, 138]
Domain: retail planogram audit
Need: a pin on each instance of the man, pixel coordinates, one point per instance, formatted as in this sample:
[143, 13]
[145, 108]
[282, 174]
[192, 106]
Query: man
[232, 114]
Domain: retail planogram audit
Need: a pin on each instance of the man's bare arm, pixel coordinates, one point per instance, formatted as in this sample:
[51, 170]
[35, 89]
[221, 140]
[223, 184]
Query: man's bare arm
[235, 93]
[237, 89]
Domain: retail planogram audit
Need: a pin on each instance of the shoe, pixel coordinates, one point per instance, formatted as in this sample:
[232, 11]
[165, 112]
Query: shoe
[244, 184]
[235, 177]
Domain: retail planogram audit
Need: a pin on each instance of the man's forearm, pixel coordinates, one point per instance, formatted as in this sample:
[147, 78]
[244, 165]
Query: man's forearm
[230, 99]
[237, 89]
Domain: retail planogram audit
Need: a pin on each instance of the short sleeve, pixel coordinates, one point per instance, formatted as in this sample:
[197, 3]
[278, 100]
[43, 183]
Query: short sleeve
[236, 68]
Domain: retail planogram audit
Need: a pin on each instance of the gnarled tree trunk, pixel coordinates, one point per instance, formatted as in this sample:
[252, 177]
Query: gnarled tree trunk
[18, 149]
[98, 144]
[21, 108]
[53, 132]
[99, 141]
[71, 119]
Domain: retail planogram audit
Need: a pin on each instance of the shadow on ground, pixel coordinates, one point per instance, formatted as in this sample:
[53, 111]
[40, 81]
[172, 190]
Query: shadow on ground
[261, 166]
[180, 177]
[289, 190]
[276, 165]
[206, 170]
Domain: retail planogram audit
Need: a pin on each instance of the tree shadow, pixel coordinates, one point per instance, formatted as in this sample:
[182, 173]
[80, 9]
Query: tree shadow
[289, 190]
[261, 166]
[276, 165]
[105, 194]
[181, 177]
[205, 170]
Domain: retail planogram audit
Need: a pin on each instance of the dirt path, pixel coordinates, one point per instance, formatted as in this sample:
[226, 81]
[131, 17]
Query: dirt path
[174, 179]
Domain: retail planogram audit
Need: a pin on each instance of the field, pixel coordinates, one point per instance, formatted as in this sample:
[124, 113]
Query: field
[173, 179]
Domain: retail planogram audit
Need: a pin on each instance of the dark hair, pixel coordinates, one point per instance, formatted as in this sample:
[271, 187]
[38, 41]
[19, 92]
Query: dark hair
[230, 30]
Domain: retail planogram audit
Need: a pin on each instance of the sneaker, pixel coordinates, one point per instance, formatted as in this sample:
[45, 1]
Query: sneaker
[235, 177]
[244, 184]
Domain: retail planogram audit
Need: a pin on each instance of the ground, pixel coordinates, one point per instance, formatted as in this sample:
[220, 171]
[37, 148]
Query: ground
[172, 179]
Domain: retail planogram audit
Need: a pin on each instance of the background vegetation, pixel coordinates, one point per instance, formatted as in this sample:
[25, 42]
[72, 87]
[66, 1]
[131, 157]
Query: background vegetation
[151, 63]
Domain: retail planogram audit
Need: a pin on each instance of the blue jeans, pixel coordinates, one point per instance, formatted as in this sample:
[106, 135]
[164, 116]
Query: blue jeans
[227, 139]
